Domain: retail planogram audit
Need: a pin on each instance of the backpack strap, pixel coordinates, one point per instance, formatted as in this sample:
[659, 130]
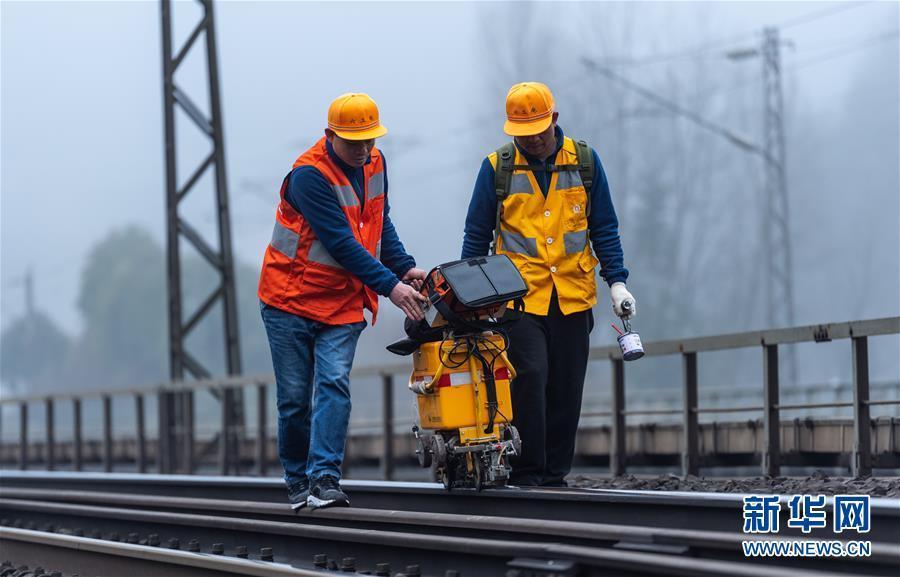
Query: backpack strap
[506, 155]
[586, 170]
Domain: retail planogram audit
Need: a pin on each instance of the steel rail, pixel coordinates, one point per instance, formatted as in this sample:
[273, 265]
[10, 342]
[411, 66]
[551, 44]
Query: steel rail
[664, 509]
[96, 556]
[476, 556]
[706, 544]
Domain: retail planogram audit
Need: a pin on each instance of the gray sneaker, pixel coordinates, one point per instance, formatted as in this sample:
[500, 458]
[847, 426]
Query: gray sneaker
[326, 492]
[298, 494]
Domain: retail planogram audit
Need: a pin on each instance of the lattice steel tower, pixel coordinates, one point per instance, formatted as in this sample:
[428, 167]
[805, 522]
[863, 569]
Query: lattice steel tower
[176, 411]
[776, 218]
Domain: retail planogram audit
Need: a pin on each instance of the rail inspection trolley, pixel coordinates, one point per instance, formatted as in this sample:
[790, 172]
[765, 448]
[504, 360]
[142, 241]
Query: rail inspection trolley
[461, 375]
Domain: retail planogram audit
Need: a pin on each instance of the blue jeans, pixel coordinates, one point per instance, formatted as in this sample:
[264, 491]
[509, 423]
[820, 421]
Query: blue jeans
[312, 364]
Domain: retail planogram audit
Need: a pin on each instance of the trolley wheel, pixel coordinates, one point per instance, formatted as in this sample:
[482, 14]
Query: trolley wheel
[423, 452]
[513, 435]
[439, 450]
[478, 473]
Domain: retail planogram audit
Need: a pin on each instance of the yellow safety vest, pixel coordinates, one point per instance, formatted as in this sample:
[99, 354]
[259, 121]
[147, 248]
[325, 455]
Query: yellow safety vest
[547, 237]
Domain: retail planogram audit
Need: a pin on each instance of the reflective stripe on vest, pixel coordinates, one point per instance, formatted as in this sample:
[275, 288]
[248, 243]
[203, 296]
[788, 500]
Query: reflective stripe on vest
[575, 241]
[318, 253]
[520, 184]
[546, 236]
[376, 185]
[514, 242]
[284, 240]
[568, 179]
[345, 194]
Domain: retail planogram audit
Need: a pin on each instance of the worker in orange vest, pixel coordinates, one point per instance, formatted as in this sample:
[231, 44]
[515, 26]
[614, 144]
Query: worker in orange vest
[333, 251]
[544, 201]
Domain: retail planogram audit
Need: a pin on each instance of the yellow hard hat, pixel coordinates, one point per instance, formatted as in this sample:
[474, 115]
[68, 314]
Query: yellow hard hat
[354, 116]
[529, 109]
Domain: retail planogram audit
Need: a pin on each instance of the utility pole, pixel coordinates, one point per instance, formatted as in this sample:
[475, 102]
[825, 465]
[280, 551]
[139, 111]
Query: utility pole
[176, 410]
[776, 245]
[776, 226]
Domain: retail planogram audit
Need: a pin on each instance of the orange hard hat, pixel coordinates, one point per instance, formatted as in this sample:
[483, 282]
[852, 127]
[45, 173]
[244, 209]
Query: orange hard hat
[529, 109]
[354, 116]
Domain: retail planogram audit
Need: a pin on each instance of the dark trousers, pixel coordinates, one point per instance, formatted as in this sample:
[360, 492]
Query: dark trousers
[549, 354]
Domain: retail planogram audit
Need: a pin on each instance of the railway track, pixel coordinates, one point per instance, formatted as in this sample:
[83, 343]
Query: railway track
[700, 511]
[252, 516]
[35, 550]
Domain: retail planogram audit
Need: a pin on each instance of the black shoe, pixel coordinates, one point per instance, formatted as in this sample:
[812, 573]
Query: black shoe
[523, 482]
[326, 492]
[554, 483]
[526, 481]
[297, 494]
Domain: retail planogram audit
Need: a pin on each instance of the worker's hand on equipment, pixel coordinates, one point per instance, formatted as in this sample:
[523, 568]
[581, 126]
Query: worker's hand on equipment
[619, 295]
[414, 277]
[408, 300]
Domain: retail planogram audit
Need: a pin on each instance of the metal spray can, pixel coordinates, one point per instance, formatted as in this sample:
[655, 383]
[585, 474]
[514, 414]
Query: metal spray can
[629, 341]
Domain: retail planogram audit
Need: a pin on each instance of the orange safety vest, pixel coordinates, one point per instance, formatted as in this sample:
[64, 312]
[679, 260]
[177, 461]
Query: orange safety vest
[298, 275]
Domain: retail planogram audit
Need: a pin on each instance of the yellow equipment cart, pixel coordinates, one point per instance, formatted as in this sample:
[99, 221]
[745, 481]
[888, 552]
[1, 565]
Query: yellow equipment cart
[461, 374]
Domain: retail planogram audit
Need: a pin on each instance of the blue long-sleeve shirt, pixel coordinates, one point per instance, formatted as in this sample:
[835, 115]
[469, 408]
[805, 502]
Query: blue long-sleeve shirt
[603, 226]
[310, 195]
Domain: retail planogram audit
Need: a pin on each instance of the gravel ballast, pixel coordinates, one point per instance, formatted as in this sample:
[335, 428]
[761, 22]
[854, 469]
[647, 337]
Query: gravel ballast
[816, 484]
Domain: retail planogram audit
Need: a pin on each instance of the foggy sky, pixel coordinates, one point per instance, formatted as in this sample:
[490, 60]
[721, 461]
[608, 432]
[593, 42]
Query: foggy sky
[82, 141]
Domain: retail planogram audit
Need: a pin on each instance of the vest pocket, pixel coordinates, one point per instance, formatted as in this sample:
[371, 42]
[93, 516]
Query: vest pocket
[588, 262]
[322, 279]
[574, 202]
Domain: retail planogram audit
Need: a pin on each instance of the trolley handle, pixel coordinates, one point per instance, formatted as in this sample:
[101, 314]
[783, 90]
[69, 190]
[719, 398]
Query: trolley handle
[509, 367]
[428, 387]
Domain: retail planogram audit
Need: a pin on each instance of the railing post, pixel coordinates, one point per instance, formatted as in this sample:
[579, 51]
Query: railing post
[387, 427]
[187, 429]
[617, 446]
[107, 434]
[141, 456]
[771, 457]
[690, 457]
[23, 435]
[51, 435]
[861, 465]
[163, 445]
[225, 434]
[261, 420]
[78, 462]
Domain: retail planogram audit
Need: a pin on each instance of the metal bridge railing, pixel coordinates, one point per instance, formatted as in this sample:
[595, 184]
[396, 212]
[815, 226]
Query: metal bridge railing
[858, 332]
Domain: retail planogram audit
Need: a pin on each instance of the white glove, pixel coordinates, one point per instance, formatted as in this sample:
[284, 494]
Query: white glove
[619, 294]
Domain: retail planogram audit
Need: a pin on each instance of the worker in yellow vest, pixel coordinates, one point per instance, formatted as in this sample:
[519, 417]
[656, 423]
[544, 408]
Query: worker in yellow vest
[544, 201]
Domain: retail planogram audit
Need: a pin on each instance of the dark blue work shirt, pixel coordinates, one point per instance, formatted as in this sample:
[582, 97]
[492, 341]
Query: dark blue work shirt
[603, 226]
[310, 194]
